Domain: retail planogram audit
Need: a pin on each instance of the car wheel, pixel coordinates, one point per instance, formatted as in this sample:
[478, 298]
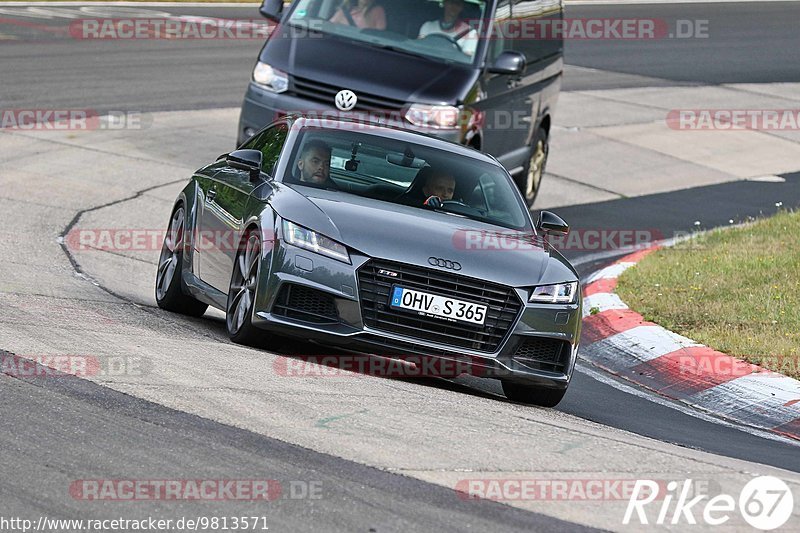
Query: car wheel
[522, 393]
[533, 170]
[169, 290]
[242, 292]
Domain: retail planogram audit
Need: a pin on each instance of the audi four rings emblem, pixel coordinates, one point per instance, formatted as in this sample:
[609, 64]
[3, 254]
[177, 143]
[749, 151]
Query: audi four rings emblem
[345, 100]
[444, 263]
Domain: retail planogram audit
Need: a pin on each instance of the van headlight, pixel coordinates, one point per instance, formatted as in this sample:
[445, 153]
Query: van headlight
[270, 78]
[434, 116]
[308, 239]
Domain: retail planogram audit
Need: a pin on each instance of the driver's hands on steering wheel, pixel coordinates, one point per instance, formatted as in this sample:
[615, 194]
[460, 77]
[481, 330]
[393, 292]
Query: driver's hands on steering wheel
[446, 38]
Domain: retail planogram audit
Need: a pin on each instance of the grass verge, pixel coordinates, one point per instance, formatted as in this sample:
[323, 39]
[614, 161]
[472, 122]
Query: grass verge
[737, 291]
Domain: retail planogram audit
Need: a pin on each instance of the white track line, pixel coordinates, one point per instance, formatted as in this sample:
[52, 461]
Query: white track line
[604, 378]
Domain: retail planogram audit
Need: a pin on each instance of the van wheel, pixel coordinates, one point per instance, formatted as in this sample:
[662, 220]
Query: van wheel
[531, 179]
[522, 393]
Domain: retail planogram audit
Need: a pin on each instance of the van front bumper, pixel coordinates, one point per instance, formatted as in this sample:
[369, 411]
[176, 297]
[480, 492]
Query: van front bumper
[261, 107]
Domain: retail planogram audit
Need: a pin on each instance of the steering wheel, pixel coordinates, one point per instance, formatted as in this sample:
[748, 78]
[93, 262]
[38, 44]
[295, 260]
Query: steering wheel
[456, 202]
[442, 36]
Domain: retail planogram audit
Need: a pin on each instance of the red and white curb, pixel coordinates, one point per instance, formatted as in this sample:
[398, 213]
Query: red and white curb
[618, 340]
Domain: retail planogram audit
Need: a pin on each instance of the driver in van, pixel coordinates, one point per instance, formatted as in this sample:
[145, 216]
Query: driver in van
[451, 26]
[361, 14]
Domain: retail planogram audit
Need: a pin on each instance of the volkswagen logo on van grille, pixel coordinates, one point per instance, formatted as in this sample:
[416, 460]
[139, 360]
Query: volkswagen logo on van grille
[444, 263]
[346, 100]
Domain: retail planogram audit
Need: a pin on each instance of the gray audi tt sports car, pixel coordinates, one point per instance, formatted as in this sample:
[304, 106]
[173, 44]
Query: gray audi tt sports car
[381, 241]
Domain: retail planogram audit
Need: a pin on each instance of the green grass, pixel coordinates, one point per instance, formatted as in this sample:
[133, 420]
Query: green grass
[737, 291]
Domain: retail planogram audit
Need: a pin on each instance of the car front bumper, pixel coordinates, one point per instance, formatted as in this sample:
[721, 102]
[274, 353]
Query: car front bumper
[515, 358]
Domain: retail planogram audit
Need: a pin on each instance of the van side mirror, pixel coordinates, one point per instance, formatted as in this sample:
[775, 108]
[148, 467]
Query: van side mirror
[249, 160]
[551, 223]
[271, 9]
[510, 63]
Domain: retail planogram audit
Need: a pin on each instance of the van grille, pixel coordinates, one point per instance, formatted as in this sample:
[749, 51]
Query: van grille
[324, 93]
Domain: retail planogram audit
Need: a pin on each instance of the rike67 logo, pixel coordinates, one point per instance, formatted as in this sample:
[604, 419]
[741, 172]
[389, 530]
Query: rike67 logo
[765, 503]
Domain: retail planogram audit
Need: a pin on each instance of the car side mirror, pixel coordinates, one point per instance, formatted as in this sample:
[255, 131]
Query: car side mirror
[509, 62]
[271, 9]
[249, 160]
[551, 223]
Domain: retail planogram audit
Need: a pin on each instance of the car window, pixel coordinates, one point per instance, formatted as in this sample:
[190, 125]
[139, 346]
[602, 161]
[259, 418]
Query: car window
[398, 172]
[270, 142]
[497, 42]
[529, 13]
[409, 26]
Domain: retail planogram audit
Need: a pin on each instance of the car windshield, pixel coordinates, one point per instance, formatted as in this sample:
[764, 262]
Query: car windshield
[405, 173]
[446, 31]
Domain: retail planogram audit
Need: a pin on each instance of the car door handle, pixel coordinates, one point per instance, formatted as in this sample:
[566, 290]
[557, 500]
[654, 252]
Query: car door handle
[212, 193]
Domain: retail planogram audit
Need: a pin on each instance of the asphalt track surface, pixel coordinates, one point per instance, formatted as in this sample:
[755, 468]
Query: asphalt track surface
[69, 423]
[751, 43]
[748, 42]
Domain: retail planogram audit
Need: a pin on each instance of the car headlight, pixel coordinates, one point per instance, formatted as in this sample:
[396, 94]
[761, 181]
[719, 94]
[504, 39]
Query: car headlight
[313, 241]
[433, 116]
[560, 293]
[270, 78]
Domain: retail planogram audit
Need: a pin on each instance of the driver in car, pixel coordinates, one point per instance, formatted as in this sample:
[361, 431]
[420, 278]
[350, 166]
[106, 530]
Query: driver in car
[440, 184]
[314, 164]
[451, 26]
[435, 182]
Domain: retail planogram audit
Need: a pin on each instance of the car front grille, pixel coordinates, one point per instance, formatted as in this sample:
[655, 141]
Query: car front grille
[306, 304]
[374, 289]
[541, 353]
[324, 93]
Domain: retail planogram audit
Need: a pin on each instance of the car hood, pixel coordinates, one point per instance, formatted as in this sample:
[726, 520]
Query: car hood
[411, 235]
[380, 72]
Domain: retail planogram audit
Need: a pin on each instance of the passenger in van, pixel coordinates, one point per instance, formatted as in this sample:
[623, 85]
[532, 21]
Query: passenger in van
[453, 27]
[361, 13]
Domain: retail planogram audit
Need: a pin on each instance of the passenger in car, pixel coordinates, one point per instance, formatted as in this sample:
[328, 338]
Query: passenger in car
[451, 26]
[361, 13]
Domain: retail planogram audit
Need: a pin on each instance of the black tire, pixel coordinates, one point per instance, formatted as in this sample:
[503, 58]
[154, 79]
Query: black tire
[528, 394]
[530, 181]
[242, 291]
[169, 285]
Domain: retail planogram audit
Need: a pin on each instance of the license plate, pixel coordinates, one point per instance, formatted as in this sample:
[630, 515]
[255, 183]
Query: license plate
[437, 306]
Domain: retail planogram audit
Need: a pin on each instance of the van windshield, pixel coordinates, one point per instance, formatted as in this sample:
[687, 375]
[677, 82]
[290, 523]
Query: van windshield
[442, 31]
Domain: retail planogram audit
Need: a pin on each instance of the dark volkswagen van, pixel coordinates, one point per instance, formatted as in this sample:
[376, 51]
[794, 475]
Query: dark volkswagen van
[492, 86]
